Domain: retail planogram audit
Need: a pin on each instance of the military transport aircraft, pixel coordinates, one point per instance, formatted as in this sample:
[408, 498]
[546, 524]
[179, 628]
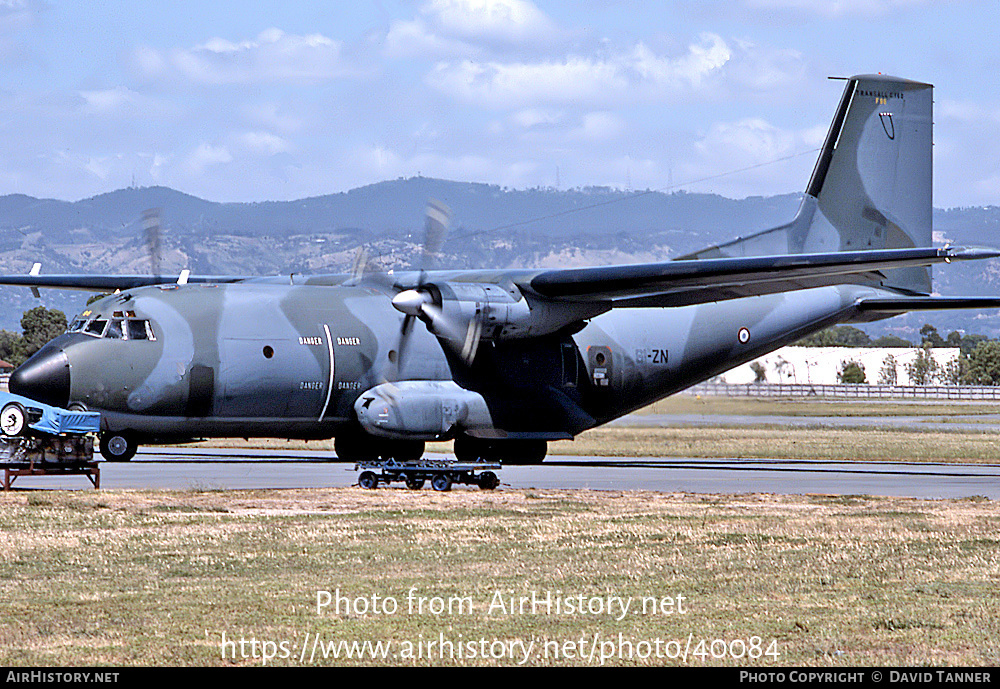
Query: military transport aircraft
[503, 361]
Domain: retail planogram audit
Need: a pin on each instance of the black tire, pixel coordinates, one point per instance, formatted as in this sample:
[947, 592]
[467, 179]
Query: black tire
[354, 447]
[118, 447]
[13, 420]
[414, 483]
[368, 480]
[468, 449]
[441, 482]
[488, 480]
[408, 450]
[523, 452]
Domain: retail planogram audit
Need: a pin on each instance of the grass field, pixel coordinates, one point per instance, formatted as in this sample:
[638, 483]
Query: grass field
[234, 577]
[165, 578]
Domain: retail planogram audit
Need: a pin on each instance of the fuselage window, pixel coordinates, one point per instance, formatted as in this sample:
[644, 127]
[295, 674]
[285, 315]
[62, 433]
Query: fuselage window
[114, 330]
[96, 327]
[137, 330]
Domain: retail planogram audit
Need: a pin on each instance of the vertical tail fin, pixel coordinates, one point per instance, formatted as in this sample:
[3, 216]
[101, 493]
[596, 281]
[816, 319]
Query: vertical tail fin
[871, 187]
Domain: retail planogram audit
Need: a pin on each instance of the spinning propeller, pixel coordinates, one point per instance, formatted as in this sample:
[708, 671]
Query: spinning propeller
[424, 302]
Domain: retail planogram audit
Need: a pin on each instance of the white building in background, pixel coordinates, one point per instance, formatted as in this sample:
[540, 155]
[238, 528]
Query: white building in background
[820, 365]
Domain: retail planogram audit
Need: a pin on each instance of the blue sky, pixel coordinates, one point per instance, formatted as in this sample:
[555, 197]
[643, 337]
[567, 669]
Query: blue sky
[236, 101]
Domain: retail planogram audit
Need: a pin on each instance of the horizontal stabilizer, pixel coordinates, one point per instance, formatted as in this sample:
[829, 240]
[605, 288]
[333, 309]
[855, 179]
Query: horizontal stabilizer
[903, 304]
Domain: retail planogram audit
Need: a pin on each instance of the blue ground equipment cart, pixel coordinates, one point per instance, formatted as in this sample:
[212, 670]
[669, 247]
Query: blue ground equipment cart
[41, 440]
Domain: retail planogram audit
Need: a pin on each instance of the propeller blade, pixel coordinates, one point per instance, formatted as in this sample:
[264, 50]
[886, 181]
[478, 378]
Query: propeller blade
[151, 227]
[435, 229]
[360, 264]
[471, 345]
[418, 302]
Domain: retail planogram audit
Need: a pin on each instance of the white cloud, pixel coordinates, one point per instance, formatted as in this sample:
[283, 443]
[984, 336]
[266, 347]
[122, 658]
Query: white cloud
[598, 126]
[504, 20]
[272, 115]
[700, 61]
[967, 112]
[467, 27]
[263, 143]
[763, 68]
[751, 157]
[416, 38]
[273, 56]
[531, 118]
[205, 156]
[751, 139]
[575, 79]
[123, 102]
[836, 8]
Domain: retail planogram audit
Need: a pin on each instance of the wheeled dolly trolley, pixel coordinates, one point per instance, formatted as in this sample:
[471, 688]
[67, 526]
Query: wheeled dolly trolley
[442, 473]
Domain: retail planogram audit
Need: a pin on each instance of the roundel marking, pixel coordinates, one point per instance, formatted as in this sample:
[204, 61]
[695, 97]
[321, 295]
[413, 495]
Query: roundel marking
[743, 335]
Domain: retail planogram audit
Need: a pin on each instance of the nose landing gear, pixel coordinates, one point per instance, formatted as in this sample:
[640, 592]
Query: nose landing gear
[118, 447]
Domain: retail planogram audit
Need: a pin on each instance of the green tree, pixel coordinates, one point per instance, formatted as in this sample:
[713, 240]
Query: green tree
[837, 336]
[851, 373]
[924, 370]
[889, 374]
[38, 325]
[759, 373]
[982, 366]
[891, 341]
[41, 325]
[11, 345]
[969, 343]
[930, 336]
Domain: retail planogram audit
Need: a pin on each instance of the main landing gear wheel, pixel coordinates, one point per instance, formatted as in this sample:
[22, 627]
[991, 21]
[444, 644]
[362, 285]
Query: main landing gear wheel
[13, 419]
[414, 483]
[469, 449]
[118, 447]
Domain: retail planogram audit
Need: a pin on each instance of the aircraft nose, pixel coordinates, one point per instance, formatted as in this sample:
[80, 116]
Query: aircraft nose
[43, 377]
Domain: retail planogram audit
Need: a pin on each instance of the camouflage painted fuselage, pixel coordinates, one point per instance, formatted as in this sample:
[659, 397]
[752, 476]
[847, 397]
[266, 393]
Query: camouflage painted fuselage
[290, 361]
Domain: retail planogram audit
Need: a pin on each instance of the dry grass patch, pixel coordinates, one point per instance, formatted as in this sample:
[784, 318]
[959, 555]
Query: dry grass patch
[753, 442]
[151, 577]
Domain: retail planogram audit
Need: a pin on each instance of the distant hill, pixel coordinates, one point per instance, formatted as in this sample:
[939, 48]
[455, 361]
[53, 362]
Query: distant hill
[494, 227]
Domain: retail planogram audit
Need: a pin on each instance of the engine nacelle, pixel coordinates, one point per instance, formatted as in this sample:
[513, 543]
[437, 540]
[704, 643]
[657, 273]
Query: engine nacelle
[505, 313]
[421, 410]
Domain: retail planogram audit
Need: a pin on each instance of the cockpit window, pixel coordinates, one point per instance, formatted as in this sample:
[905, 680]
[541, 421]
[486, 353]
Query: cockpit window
[138, 330]
[96, 327]
[114, 331]
[120, 327]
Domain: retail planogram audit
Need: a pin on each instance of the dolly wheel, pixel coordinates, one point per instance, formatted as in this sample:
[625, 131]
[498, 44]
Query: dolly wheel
[441, 482]
[488, 480]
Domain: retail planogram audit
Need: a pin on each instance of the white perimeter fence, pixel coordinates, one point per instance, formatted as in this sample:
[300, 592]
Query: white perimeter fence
[951, 392]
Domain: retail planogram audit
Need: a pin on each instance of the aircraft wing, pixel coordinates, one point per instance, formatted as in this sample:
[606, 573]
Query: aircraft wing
[669, 283]
[682, 282]
[109, 283]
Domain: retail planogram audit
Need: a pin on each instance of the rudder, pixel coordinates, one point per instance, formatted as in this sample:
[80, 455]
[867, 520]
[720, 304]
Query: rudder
[872, 184]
